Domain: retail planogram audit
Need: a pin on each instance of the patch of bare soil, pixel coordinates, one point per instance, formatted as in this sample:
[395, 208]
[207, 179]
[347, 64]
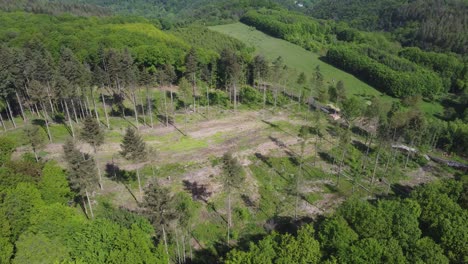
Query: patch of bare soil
[419, 176]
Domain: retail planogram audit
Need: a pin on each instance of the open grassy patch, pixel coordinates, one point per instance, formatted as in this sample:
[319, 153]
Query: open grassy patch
[300, 60]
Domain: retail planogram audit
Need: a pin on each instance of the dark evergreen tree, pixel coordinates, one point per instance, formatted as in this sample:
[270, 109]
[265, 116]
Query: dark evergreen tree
[133, 146]
[92, 132]
[81, 172]
[232, 178]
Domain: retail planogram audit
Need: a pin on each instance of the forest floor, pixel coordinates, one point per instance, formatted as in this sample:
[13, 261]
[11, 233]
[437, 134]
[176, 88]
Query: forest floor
[187, 159]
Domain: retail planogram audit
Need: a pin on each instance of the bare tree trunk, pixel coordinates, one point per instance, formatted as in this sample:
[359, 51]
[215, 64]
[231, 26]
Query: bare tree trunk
[3, 123]
[89, 203]
[208, 101]
[69, 119]
[82, 112]
[341, 164]
[235, 97]
[375, 166]
[105, 110]
[88, 108]
[74, 110]
[165, 106]
[84, 206]
[135, 109]
[150, 107]
[98, 168]
[35, 154]
[142, 108]
[50, 98]
[11, 113]
[179, 258]
[409, 153]
[165, 245]
[46, 118]
[183, 248]
[139, 185]
[229, 219]
[21, 106]
[94, 105]
[172, 100]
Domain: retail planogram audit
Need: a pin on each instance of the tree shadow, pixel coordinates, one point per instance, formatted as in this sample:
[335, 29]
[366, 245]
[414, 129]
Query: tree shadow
[199, 192]
[41, 123]
[286, 224]
[247, 201]
[359, 131]
[58, 118]
[327, 157]
[211, 254]
[402, 191]
[115, 173]
[360, 146]
[277, 127]
[264, 159]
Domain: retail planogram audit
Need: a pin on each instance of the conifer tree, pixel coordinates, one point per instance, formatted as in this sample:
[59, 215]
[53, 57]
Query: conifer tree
[93, 135]
[159, 208]
[35, 138]
[133, 146]
[232, 178]
[81, 172]
[134, 149]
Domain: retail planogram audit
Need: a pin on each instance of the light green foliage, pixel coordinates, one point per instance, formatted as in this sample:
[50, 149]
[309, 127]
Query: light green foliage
[85, 35]
[57, 222]
[38, 248]
[427, 251]
[335, 234]
[19, 204]
[282, 249]
[6, 245]
[365, 219]
[102, 241]
[7, 147]
[250, 96]
[185, 92]
[54, 185]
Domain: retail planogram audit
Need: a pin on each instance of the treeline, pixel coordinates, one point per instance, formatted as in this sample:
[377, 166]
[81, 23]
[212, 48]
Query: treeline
[370, 56]
[176, 13]
[85, 36]
[54, 7]
[295, 28]
[394, 76]
[435, 25]
[430, 226]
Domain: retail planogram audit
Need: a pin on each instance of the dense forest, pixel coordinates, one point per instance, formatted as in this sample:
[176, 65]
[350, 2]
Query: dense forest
[435, 24]
[132, 133]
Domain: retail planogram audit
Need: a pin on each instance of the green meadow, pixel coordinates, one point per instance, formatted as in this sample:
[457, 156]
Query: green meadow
[300, 60]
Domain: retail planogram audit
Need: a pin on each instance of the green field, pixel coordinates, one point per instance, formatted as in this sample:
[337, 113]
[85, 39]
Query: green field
[300, 60]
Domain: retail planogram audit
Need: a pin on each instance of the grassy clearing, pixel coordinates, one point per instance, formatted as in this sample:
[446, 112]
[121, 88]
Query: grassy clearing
[300, 60]
[295, 57]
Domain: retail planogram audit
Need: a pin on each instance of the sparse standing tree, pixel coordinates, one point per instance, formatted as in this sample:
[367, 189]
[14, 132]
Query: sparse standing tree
[93, 135]
[134, 149]
[35, 138]
[185, 94]
[81, 172]
[158, 205]
[232, 178]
